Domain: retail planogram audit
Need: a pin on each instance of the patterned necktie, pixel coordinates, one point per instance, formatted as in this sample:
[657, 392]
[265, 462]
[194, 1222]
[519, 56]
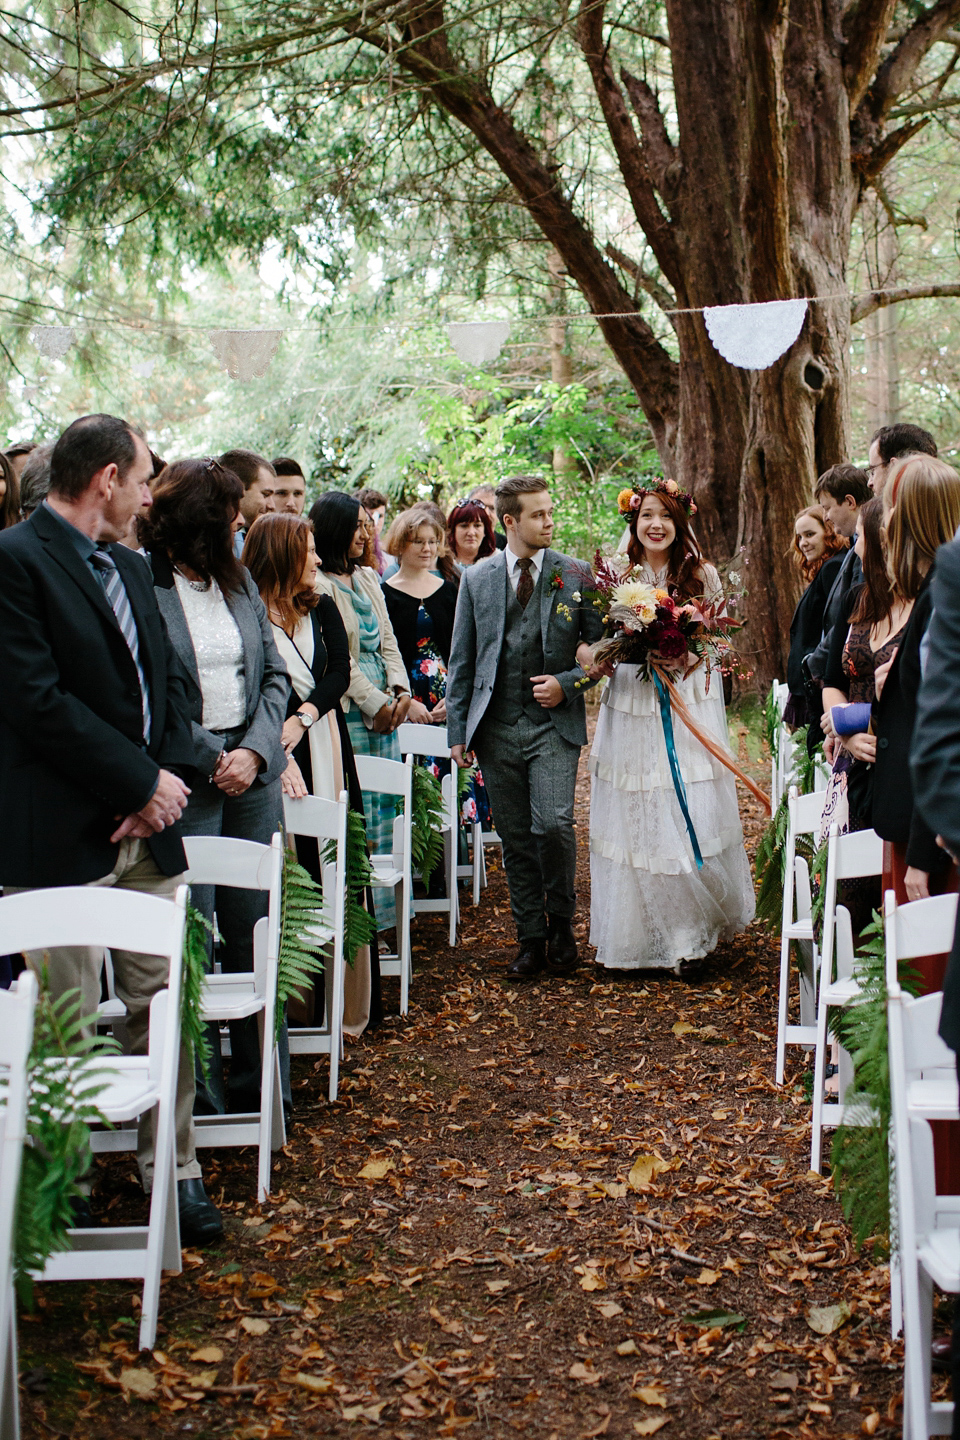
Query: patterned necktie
[117, 595]
[524, 582]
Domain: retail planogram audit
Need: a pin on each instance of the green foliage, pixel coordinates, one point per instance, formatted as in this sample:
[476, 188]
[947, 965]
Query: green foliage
[64, 1076]
[196, 966]
[465, 775]
[770, 863]
[359, 926]
[301, 911]
[426, 823]
[861, 1149]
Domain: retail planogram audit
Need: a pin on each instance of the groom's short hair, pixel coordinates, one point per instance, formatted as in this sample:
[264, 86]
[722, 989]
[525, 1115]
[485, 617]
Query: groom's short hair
[509, 491]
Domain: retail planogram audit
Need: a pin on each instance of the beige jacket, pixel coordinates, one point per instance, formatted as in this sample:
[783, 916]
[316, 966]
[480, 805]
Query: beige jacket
[361, 693]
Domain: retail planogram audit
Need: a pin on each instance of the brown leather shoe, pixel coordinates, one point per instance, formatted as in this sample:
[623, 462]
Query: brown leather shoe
[562, 953]
[528, 961]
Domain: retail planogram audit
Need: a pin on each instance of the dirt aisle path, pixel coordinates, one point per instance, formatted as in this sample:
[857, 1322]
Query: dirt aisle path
[566, 1209]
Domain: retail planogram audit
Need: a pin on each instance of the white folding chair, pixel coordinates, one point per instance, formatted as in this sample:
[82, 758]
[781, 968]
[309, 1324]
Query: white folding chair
[804, 813]
[392, 870]
[325, 820]
[222, 860]
[17, 1007]
[923, 1085]
[134, 1084]
[849, 857]
[420, 740]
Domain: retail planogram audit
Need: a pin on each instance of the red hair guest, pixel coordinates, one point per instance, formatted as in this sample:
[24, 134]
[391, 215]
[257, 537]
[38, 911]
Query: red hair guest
[818, 553]
[470, 532]
[669, 874]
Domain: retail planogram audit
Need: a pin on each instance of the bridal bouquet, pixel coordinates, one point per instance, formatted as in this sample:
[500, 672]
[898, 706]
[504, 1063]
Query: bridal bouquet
[652, 628]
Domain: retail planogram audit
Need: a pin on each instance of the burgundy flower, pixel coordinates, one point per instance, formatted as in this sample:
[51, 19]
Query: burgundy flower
[673, 645]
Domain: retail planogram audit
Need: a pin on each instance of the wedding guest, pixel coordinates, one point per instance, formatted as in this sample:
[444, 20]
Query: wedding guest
[375, 503]
[840, 491]
[258, 479]
[9, 495]
[17, 455]
[378, 696]
[290, 491]
[281, 556]
[893, 442]
[237, 687]
[487, 496]
[446, 566]
[35, 479]
[470, 533]
[921, 503]
[818, 552]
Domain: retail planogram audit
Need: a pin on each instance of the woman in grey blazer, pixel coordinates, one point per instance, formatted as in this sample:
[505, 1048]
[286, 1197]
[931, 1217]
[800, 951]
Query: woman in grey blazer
[238, 688]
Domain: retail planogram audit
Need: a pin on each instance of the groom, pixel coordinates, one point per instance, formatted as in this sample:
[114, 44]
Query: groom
[515, 697]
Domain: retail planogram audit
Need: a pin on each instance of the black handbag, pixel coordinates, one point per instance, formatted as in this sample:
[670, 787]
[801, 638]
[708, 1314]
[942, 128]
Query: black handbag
[860, 778]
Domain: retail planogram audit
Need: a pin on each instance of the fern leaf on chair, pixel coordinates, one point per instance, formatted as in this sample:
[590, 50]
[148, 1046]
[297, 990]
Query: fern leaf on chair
[301, 912]
[193, 1027]
[426, 823]
[359, 926]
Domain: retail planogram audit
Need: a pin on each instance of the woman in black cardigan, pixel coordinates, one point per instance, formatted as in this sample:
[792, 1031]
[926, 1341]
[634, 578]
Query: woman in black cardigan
[310, 635]
[921, 512]
[818, 552]
[421, 607]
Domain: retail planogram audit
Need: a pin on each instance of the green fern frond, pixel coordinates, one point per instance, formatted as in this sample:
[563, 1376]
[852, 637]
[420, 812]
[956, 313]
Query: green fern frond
[193, 1027]
[62, 1095]
[426, 823]
[464, 777]
[861, 1152]
[302, 911]
[359, 926]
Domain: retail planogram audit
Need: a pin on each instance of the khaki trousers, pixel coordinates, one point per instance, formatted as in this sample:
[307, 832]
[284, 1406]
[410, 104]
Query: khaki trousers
[137, 979]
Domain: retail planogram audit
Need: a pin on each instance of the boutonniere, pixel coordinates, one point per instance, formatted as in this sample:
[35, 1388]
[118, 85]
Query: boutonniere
[556, 579]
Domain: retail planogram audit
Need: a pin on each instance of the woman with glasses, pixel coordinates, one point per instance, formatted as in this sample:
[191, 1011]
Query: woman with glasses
[469, 532]
[238, 688]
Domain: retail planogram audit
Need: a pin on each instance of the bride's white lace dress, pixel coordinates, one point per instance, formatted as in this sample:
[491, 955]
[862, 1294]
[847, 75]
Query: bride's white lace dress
[650, 905]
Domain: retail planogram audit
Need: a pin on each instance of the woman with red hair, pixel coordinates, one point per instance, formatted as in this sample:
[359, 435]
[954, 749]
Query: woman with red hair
[653, 905]
[818, 553]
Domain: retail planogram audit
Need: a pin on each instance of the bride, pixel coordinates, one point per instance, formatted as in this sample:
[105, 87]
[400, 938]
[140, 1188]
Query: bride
[651, 906]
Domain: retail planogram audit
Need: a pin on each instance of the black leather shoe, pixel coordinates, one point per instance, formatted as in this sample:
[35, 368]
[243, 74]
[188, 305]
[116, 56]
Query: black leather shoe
[528, 961]
[200, 1222]
[940, 1350]
[562, 953]
[81, 1216]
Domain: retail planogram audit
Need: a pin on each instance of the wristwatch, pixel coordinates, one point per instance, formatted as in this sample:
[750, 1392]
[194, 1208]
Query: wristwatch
[305, 718]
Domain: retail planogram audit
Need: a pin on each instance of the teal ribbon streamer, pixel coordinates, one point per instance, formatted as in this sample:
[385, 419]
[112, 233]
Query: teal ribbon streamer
[666, 715]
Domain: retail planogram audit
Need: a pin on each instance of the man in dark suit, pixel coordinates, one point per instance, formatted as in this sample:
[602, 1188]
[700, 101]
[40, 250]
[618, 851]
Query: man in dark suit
[935, 766]
[94, 724]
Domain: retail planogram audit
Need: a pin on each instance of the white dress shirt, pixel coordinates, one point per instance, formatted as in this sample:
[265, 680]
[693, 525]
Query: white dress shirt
[513, 574]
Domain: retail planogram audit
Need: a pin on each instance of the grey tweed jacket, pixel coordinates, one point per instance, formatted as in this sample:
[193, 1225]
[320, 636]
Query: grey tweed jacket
[478, 640]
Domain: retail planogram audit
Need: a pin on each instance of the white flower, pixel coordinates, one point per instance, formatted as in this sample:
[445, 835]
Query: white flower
[577, 596]
[734, 578]
[639, 597]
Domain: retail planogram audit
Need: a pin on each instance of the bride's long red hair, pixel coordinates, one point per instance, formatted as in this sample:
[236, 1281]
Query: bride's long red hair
[685, 557]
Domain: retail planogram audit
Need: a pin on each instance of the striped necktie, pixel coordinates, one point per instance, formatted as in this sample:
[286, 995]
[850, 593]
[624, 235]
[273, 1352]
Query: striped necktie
[116, 593]
[524, 582]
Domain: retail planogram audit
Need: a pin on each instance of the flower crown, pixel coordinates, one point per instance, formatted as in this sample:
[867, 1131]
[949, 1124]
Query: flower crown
[632, 499]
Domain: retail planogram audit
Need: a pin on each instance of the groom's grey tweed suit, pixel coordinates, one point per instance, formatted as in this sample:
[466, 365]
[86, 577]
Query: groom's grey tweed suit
[528, 754]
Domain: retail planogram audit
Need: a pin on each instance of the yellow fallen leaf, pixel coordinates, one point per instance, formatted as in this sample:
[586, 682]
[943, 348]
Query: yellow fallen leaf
[495, 1286]
[585, 1374]
[319, 1384]
[682, 1028]
[651, 1425]
[718, 1115]
[610, 1309]
[651, 1395]
[209, 1355]
[254, 1326]
[627, 1347]
[593, 1281]
[644, 1168]
[138, 1382]
[376, 1169]
[708, 1277]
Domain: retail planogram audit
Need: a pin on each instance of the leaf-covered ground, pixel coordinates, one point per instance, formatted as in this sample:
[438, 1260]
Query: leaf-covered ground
[567, 1209]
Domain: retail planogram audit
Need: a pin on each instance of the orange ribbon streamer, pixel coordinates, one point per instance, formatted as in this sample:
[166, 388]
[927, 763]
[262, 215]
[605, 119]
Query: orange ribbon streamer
[708, 743]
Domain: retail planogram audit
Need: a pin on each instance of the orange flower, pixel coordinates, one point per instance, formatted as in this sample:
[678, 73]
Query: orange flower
[623, 500]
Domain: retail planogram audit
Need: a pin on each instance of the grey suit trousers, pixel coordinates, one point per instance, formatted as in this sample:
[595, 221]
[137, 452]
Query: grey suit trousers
[530, 773]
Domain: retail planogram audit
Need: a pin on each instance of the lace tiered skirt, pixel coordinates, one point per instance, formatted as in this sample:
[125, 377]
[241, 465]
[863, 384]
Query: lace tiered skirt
[650, 905]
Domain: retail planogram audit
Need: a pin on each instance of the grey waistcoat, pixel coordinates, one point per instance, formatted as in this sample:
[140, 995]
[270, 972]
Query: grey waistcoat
[520, 657]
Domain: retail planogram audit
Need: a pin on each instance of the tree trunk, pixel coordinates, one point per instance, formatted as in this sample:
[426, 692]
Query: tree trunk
[561, 365]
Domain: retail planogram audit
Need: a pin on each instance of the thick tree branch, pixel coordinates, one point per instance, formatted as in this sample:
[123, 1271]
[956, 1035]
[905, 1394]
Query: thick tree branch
[629, 148]
[896, 73]
[659, 151]
[865, 31]
[873, 161]
[865, 305]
